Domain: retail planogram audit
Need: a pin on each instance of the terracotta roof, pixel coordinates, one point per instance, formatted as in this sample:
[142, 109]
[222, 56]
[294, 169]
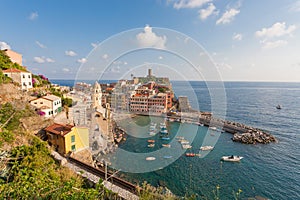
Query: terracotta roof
[12, 70]
[59, 129]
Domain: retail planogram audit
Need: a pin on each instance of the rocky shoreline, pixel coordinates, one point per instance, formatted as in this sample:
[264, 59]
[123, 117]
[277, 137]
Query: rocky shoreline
[254, 137]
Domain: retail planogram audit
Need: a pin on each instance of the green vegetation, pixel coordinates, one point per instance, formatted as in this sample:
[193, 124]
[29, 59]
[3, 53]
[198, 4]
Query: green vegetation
[35, 175]
[6, 63]
[40, 81]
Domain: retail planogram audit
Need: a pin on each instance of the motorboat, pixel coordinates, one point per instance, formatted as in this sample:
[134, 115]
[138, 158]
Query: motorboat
[151, 145]
[150, 140]
[167, 157]
[166, 145]
[190, 154]
[206, 148]
[152, 133]
[213, 128]
[164, 131]
[232, 158]
[165, 138]
[186, 146]
[278, 107]
[150, 158]
[184, 142]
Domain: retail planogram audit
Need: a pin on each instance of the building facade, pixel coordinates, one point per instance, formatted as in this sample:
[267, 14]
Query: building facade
[51, 105]
[21, 77]
[14, 56]
[67, 138]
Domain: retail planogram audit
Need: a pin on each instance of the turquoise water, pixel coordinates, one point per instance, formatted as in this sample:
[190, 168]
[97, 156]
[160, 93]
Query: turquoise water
[271, 170]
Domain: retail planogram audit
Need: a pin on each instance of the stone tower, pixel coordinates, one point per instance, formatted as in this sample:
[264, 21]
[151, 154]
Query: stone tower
[97, 96]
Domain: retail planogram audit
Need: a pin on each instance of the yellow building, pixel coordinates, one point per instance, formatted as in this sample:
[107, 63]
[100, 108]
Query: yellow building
[67, 138]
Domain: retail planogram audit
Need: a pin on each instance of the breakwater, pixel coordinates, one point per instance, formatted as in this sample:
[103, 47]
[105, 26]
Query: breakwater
[241, 132]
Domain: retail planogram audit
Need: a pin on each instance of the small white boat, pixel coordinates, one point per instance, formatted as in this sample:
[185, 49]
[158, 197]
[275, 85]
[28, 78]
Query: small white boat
[167, 157]
[186, 146]
[206, 148]
[166, 145]
[213, 128]
[151, 145]
[184, 141]
[150, 158]
[232, 158]
[152, 133]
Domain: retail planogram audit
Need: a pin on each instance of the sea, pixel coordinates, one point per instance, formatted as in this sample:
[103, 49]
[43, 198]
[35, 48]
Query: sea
[270, 170]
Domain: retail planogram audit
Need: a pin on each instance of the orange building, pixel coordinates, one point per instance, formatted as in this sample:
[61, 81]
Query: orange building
[14, 56]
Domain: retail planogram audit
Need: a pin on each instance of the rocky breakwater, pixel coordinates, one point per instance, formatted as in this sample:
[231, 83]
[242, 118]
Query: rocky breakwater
[253, 137]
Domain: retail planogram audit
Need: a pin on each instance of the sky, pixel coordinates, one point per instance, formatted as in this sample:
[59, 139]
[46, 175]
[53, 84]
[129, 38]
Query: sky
[243, 40]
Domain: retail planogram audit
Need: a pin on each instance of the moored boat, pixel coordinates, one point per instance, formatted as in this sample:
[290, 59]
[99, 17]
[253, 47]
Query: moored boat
[190, 154]
[206, 148]
[151, 145]
[166, 145]
[150, 158]
[150, 140]
[186, 146]
[232, 158]
[165, 138]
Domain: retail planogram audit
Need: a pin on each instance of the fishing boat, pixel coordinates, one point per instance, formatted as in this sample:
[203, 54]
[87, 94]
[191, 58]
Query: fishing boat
[206, 148]
[166, 145]
[152, 133]
[150, 158]
[164, 131]
[150, 140]
[213, 128]
[232, 158]
[184, 142]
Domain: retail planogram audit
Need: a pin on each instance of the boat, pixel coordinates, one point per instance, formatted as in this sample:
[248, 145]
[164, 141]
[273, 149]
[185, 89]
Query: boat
[184, 141]
[150, 158]
[179, 137]
[151, 140]
[213, 128]
[167, 157]
[278, 107]
[163, 125]
[165, 138]
[186, 146]
[152, 133]
[166, 145]
[206, 148]
[232, 158]
[164, 131]
[151, 145]
[190, 154]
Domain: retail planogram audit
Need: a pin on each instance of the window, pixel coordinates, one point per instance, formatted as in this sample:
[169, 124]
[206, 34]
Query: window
[28, 76]
[73, 138]
[29, 83]
[73, 147]
[23, 76]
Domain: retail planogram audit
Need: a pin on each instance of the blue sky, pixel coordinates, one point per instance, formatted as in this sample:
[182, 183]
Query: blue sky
[247, 40]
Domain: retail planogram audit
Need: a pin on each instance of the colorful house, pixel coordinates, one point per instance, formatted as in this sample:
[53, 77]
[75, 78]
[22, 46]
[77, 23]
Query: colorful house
[67, 138]
[51, 105]
[22, 77]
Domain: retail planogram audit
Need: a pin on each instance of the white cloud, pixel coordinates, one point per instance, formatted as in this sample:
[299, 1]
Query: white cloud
[33, 16]
[210, 10]
[105, 56]
[276, 30]
[223, 66]
[273, 44]
[237, 36]
[65, 69]
[94, 45]
[49, 60]
[190, 3]
[43, 59]
[40, 45]
[39, 59]
[295, 7]
[82, 60]
[70, 53]
[150, 39]
[228, 16]
[4, 45]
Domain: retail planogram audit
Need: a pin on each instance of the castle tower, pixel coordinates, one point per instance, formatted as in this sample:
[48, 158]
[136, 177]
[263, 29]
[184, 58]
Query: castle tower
[97, 96]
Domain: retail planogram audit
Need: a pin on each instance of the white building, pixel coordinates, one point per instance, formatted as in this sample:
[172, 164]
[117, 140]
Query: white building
[51, 105]
[21, 77]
